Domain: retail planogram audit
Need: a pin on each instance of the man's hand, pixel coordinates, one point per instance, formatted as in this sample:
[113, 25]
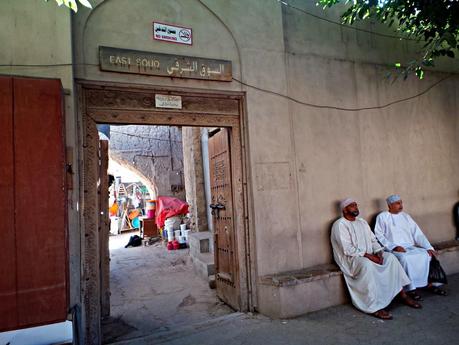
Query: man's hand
[432, 252]
[399, 249]
[375, 258]
[380, 256]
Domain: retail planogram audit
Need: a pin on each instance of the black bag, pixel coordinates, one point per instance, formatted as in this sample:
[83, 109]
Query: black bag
[134, 241]
[436, 273]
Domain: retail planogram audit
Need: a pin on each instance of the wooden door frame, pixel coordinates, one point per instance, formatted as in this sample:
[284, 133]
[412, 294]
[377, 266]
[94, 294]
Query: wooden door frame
[120, 103]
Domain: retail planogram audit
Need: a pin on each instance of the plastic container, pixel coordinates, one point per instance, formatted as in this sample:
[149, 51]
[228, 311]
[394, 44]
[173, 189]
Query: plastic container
[170, 246]
[175, 244]
[178, 233]
[114, 225]
[186, 233]
[183, 227]
[182, 239]
[173, 221]
[150, 208]
[170, 235]
[135, 223]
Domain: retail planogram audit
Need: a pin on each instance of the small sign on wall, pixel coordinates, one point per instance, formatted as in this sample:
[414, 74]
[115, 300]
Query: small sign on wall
[172, 33]
[168, 101]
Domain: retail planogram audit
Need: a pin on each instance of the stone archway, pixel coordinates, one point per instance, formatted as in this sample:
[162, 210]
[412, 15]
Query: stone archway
[151, 186]
[111, 103]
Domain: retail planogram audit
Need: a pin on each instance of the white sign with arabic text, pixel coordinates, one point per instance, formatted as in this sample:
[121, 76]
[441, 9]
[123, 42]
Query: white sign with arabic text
[168, 101]
[172, 33]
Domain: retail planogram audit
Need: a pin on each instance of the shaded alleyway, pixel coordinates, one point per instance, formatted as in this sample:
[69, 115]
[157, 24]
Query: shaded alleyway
[155, 290]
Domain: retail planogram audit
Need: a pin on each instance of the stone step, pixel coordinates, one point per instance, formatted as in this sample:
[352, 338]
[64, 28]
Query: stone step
[203, 265]
[200, 242]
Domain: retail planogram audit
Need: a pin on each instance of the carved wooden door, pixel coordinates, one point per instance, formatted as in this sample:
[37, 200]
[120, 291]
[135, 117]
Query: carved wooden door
[226, 273]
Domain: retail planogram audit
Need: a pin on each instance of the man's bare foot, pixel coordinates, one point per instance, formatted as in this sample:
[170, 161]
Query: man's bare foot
[382, 314]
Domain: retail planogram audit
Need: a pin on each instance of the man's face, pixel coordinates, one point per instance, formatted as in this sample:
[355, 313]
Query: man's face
[351, 210]
[396, 207]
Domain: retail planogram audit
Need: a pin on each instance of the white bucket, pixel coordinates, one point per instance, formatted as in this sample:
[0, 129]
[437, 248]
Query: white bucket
[178, 233]
[114, 225]
[173, 221]
[170, 235]
[187, 234]
[183, 227]
[181, 239]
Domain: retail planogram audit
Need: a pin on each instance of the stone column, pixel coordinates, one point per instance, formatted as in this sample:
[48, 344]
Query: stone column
[194, 177]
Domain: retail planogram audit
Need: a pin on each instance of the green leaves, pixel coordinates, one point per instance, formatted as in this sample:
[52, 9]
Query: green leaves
[434, 22]
[420, 73]
[72, 4]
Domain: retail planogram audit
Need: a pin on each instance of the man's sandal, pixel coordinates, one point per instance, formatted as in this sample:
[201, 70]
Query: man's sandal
[411, 302]
[437, 291]
[414, 295]
[382, 314]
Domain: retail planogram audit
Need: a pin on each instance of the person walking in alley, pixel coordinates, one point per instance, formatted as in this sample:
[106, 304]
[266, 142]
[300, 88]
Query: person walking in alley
[400, 234]
[374, 277]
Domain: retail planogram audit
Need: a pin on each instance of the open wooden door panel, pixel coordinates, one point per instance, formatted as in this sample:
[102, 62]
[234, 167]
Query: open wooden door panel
[34, 201]
[223, 218]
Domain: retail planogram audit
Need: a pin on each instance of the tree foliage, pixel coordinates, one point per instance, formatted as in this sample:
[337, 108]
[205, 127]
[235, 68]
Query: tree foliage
[435, 23]
[73, 4]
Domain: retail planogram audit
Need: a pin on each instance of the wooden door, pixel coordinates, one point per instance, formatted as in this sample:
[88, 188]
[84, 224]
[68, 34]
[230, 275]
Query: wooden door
[104, 229]
[226, 268]
[33, 201]
[8, 290]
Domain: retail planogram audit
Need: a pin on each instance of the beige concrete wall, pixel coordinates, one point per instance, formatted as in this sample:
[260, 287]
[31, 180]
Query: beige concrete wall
[115, 23]
[35, 40]
[408, 148]
[238, 33]
[303, 159]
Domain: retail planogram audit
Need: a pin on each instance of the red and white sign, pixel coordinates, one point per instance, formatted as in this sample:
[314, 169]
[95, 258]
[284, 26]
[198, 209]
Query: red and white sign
[172, 33]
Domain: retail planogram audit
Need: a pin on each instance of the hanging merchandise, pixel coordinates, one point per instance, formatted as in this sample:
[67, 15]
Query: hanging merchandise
[113, 210]
[134, 214]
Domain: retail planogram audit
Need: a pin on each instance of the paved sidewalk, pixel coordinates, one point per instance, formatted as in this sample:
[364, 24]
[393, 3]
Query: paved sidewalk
[437, 323]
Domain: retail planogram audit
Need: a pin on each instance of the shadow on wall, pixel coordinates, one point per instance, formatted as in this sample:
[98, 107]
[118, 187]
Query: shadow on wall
[336, 207]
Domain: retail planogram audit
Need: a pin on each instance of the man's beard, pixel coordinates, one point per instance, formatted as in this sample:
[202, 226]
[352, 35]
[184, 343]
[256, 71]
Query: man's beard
[354, 213]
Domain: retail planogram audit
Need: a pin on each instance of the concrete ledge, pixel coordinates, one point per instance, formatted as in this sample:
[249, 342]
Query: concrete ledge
[299, 292]
[203, 264]
[448, 255]
[294, 293]
[200, 242]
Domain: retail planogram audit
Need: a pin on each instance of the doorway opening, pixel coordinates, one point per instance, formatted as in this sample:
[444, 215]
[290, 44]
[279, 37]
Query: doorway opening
[218, 115]
[153, 286]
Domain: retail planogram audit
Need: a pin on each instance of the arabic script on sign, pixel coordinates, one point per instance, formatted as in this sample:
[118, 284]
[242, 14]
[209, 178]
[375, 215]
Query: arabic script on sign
[172, 33]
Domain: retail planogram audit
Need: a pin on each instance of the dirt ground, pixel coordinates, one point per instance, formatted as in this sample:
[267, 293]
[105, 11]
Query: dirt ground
[155, 290]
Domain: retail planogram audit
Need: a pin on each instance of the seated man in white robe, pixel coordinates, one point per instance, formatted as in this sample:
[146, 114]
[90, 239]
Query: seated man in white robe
[373, 277]
[400, 234]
